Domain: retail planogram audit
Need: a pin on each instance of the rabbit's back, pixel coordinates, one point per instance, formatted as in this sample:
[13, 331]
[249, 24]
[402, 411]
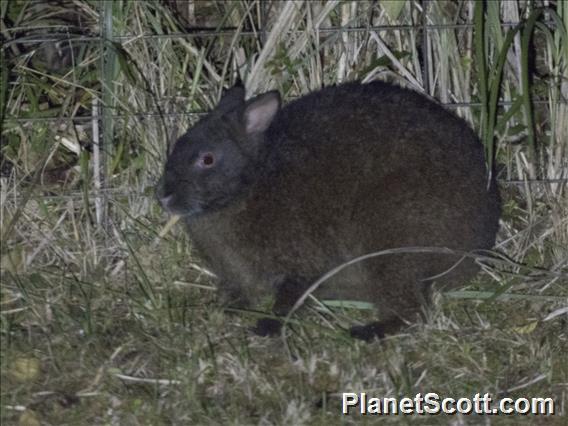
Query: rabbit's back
[382, 164]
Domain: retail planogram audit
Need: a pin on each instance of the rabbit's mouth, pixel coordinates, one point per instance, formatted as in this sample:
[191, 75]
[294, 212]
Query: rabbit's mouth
[169, 204]
[173, 204]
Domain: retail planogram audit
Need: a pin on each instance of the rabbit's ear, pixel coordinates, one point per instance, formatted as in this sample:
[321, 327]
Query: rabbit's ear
[260, 112]
[232, 98]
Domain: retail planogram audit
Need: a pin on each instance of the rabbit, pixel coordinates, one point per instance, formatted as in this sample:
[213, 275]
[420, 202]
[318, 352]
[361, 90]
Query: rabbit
[274, 197]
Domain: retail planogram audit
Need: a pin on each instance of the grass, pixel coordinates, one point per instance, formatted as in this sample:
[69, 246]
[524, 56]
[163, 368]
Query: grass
[103, 321]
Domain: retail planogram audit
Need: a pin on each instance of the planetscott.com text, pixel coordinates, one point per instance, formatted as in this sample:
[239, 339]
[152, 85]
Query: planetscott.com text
[432, 403]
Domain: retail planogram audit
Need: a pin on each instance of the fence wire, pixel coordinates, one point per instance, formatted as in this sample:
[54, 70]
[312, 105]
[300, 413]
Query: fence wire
[211, 33]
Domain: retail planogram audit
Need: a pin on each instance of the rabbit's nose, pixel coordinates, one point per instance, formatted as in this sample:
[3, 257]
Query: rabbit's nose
[165, 201]
[162, 196]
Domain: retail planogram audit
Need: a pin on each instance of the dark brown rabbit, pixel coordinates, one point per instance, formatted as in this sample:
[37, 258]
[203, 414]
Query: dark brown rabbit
[274, 197]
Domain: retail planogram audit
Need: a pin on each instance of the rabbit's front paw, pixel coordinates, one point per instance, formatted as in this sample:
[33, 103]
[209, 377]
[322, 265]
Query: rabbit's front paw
[376, 330]
[267, 327]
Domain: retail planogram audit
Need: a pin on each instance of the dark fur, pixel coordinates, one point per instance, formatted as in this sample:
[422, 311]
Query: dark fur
[339, 173]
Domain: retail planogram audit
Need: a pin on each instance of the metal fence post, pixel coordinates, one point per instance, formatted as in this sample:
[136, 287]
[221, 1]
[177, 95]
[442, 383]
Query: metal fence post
[105, 143]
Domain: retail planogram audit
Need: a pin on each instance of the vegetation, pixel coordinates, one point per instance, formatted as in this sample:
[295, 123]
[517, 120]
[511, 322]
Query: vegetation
[106, 316]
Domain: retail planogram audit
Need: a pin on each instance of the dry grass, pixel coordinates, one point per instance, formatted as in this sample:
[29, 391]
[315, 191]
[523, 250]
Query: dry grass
[104, 322]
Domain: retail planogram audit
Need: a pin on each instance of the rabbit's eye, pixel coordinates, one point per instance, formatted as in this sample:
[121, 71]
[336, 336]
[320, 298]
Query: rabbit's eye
[206, 160]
